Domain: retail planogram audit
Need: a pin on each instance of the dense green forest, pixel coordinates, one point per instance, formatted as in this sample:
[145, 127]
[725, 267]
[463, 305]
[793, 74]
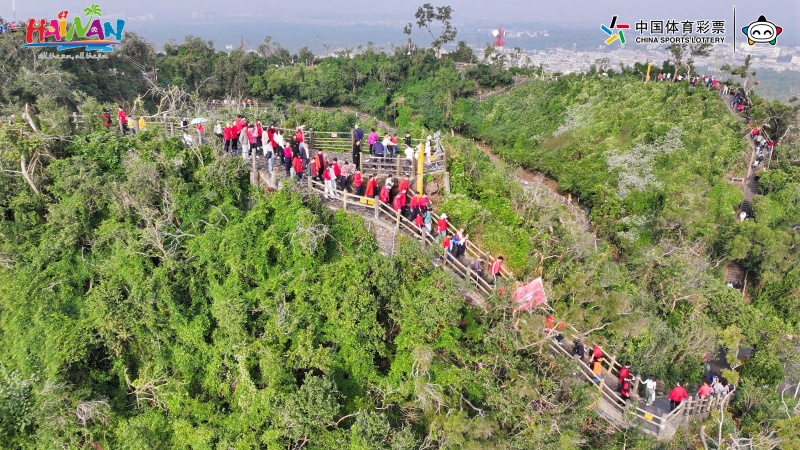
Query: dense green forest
[151, 298]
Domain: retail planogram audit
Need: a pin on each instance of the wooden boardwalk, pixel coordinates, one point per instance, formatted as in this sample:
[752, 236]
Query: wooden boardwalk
[655, 420]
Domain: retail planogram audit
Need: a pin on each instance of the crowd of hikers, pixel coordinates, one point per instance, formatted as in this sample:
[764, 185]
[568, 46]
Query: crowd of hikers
[298, 160]
[712, 383]
[293, 155]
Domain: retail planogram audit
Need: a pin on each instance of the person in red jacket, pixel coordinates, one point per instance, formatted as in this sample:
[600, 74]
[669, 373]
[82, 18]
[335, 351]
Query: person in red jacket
[597, 352]
[226, 137]
[403, 186]
[123, 119]
[676, 395]
[625, 390]
[321, 165]
[419, 220]
[337, 171]
[424, 203]
[358, 183]
[447, 243]
[402, 199]
[624, 372]
[705, 390]
[441, 225]
[415, 205]
[396, 204]
[495, 268]
[300, 138]
[297, 163]
[372, 185]
[313, 166]
[384, 195]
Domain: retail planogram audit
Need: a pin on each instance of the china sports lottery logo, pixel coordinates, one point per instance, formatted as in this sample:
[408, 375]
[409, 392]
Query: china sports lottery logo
[612, 36]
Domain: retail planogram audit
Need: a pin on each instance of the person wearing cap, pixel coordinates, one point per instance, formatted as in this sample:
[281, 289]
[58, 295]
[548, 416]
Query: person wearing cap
[441, 225]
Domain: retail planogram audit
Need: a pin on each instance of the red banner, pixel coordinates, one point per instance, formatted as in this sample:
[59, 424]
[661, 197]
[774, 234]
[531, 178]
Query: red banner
[530, 295]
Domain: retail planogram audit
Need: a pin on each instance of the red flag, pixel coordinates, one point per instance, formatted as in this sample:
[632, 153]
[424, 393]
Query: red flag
[530, 295]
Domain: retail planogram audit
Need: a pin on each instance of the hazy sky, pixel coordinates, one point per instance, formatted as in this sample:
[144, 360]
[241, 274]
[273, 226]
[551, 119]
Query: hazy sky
[785, 13]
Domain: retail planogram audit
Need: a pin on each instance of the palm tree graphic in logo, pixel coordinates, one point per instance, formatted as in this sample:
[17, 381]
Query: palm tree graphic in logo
[92, 12]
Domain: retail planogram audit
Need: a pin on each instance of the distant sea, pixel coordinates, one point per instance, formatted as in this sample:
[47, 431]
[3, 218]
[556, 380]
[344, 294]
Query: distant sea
[293, 36]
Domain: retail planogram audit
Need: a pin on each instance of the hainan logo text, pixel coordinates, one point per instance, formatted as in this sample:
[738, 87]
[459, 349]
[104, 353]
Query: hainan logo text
[762, 31]
[89, 32]
[613, 36]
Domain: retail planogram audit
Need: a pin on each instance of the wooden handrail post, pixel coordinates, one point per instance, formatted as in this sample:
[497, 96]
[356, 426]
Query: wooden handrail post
[608, 373]
[375, 205]
[344, 200]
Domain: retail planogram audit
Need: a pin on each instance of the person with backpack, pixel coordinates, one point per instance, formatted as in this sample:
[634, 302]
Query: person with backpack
[578, 349]
[106, 118]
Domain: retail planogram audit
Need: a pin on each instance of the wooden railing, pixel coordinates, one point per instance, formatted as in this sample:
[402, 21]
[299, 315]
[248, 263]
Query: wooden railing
[384, 213]
[611, 401]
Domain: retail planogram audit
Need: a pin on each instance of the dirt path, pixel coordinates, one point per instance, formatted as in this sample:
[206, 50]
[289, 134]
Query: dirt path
[540, 182]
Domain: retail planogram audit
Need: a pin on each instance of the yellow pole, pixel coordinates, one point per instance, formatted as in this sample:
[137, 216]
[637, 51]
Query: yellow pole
[648, 73]
[420, 170]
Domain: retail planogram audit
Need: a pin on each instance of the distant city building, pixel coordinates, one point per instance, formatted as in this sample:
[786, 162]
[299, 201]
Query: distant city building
[201, 15]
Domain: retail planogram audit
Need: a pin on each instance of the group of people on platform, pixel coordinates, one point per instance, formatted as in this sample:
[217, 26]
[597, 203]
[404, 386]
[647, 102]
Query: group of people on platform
[127, 124]
[388, 145]
[712, 383]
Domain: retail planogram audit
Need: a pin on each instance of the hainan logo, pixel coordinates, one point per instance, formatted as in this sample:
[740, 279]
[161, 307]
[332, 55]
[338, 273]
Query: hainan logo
[89, 33]
[613, 36]
[762, 31]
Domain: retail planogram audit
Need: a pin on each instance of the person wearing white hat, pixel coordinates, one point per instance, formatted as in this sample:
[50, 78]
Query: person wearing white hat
[441, 226]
